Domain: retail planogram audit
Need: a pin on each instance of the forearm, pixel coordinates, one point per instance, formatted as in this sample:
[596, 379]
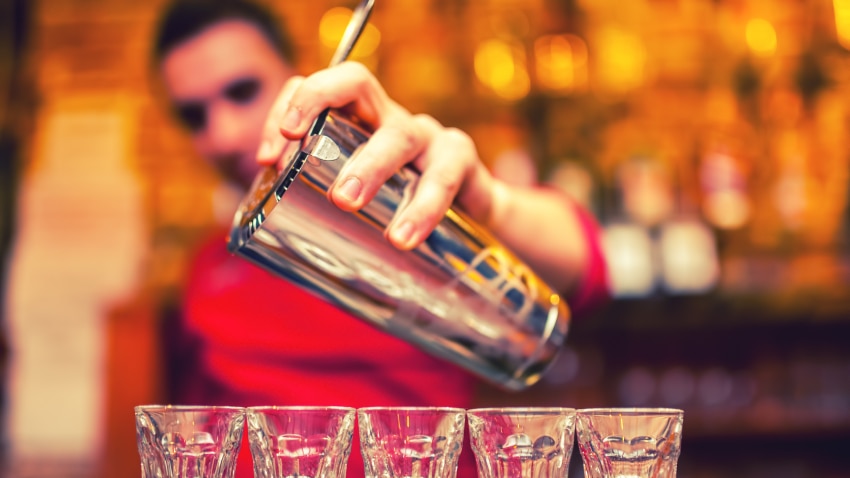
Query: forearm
[542, 226]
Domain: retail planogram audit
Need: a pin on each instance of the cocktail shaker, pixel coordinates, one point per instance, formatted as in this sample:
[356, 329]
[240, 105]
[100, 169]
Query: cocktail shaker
[461, 295]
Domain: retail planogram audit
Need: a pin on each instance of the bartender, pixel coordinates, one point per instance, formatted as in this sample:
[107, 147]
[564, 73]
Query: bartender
[227, 70]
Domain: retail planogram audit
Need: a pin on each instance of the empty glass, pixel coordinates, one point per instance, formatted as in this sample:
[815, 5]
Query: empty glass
[188, 441]
[522, 442]
[629, 442]
[410, 442]
[300, 441]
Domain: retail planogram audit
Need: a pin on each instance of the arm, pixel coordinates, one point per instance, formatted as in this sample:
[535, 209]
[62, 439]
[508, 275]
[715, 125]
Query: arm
[541, 225]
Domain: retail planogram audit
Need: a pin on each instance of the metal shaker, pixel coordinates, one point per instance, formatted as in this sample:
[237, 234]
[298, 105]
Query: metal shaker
[461, 295]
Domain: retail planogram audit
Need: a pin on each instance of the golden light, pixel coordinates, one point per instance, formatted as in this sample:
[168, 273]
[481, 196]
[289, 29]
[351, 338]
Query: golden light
[621, 59]
[727, 209]
[560, 61]
[332, 27]
[518, 88]
[494, 63]
[842, 22]
[761, 37]
[501, 67]
[420, 73]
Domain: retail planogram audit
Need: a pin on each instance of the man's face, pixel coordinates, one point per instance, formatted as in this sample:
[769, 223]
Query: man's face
[222, 83]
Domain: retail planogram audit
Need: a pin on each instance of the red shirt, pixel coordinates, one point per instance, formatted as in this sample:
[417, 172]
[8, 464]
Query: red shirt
[260, 340]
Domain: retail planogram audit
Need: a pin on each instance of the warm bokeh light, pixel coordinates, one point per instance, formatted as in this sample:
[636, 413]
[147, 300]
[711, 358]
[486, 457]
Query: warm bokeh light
[631, 269]
[646, 189]
[728, 209]
[842, 21]
[501, 66]
[620, 61]
[688, 257]
[761, 37]
[561, 62]
[494, 63]
[709, 138]
[332, 27]
[725, 203]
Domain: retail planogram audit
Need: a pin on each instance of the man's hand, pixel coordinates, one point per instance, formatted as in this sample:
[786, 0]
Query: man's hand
[446, 157]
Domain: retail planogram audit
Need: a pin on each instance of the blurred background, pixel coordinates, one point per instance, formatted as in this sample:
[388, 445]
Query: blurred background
[709, 137]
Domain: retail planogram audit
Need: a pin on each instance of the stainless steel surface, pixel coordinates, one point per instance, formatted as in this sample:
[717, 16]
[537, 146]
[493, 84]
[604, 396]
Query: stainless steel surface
[460, 295]
[352, 31]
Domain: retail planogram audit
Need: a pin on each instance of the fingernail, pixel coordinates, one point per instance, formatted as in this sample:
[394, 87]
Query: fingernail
[350, 189]
[402, 233]
[291, 119]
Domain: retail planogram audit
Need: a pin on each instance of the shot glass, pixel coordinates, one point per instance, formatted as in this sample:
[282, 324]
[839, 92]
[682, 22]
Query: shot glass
[522, 442]
[188, 441]
[310, 442]
[411, 442]
[629, 442]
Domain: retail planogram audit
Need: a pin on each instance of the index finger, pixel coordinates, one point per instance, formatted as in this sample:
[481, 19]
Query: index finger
[348, 85]
[272, 142]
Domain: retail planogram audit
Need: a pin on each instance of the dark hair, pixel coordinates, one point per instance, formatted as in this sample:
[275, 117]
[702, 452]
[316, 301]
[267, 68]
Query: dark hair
[183, 19]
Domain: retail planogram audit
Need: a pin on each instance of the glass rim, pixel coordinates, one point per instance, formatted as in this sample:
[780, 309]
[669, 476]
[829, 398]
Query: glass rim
[299, 408]
[412, 409]
[522, 410]
[187, 408]
[631, 411]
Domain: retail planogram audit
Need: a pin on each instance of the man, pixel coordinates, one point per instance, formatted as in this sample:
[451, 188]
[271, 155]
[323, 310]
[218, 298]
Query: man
[226, 67]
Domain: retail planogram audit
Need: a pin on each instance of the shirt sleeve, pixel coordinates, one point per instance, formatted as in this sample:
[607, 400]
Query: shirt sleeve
[593, 290]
